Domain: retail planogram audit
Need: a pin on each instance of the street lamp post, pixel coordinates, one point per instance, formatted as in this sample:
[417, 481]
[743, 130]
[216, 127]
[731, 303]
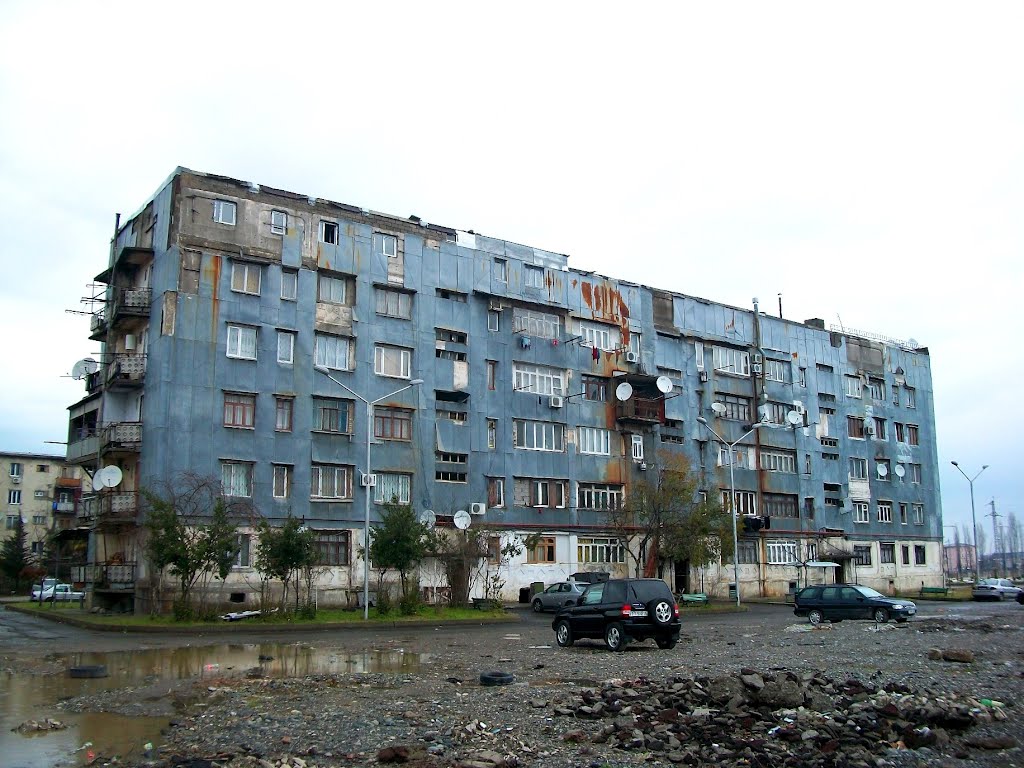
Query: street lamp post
[974, 522]
[732, 496]
[366, 489]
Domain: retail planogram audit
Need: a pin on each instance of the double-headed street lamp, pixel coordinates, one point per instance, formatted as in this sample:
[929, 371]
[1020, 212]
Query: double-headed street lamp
[732, 495]
[369, 441]
[974, 522]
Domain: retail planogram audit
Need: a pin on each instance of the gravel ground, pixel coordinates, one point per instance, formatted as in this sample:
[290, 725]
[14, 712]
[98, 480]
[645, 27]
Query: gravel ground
[440, 715]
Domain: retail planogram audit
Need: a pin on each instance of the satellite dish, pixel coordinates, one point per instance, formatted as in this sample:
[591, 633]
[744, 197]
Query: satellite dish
[794, 418]
[664, 384]
[108, 477]
[718, 408]
[882, 470]
[912, 343]
[83, 368]
[899, 470]
[427, 518]
[462, 519]
[624, 391]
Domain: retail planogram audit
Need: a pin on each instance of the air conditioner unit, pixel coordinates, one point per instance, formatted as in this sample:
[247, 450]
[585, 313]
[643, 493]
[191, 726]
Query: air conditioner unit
[632, 357]
[15, 479]
[555, 401]
[703, 375]
[368, 481]
[799, 407]
[495, 306]
[758, 358]
[642, 466]
[757, 369]
[477, 508]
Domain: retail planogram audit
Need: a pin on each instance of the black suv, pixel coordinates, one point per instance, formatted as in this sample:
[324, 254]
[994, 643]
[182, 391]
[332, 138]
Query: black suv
[620, 610]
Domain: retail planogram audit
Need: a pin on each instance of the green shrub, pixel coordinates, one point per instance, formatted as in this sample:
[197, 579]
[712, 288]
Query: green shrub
[384, 603]
[409, 605]
[182, 610]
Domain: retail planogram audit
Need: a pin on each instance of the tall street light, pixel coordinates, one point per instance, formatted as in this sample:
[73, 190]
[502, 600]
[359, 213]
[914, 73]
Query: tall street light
[366, 489]
[732, 496]
[974, 522]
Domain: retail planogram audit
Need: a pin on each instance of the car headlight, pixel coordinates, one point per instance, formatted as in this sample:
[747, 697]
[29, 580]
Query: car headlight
[899, 606]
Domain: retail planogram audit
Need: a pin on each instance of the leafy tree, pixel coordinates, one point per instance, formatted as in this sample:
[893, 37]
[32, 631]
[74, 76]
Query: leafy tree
[15, 556]
[458, 551]
[285, 553]
[398, 542]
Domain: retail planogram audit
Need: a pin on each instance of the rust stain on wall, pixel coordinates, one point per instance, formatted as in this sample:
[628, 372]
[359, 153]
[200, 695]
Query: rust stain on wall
[216, 266]
[607, 304]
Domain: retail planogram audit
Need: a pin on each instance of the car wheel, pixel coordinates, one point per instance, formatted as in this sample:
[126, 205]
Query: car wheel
[666, 643]
[880, 615]
[563, 634]
[662, 611]
[613, 637]
[496, 678]
[538, 606]
[815, 616]
[999, 597]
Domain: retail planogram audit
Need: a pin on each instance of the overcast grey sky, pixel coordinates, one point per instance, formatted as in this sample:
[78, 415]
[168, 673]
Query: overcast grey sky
[863, 159]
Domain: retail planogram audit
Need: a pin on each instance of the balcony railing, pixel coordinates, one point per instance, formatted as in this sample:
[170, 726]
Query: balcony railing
[639, 409]
[114, 576]
[131, 302]
[109, 508]
[98, 325]
[126, 368]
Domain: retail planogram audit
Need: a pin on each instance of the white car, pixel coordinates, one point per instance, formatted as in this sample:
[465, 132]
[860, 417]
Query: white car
[58, 592]
[995, 589]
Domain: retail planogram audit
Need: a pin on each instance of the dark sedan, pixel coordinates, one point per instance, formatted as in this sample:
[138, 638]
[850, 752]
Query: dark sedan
[836, 602]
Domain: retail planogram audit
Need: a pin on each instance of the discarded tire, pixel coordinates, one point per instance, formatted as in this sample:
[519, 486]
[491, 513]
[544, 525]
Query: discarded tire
[496, 678]
[88, 670]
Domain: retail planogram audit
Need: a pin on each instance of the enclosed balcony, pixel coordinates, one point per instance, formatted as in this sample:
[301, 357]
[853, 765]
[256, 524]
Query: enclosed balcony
[98, 326]
[640, 409]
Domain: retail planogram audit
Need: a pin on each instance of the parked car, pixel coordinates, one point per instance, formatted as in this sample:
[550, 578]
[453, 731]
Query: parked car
[58, 592]
[619, 611]
[46, 583]
[995, 589]
[1020, 597]
[836, 602]
[557, 595]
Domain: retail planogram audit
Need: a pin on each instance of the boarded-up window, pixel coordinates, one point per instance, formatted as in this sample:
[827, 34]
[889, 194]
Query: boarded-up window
[188, 278]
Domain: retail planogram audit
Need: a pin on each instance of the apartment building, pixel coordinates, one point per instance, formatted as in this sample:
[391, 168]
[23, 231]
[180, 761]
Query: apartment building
[503, 382]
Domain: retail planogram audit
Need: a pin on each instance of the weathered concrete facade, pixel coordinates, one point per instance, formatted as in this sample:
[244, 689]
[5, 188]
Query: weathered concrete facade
[221, 295]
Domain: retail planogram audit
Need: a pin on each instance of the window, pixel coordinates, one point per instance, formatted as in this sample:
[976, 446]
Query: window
[775, 370]
[802, 381]
[12, 522]
[236, 478]
[493, 320]
[450, 295]
[905, 554]
[876, 388]
[883, 470]
[289, 284]
[534, 492]
[330, 481]
[636, 443]
[501, 270]
[634, 342]
[239, 410]
[538, 435]
[911, 395]
[855, 427]
[332, 415]
[879, 425]
[492, 375]
[285, 347]
[830, 456]
[459, 417]
[495, 492]
[858, 468]
[224, 212]
[282, 481]
[862, 554]
[333, 548]
[16, 469]
[451, 458]
[860, 512]
[778, 461]
[243, 545]
[392, 423]
[242, 342]
[392, 488]
[780, 505]
[245, 278]
[919, 555]
[732, 361]
[809, 509]
[594, 440]
[736, 408]
[533, 276]
[445, 335]
[447, 476]
[44, 468]
[887, 553]
[492, 433]
[278, 222]
[392, 361]
[595, 388]
[912, 435]
[918, 514]
[824, 368]
[600, 551]
[494, 550]
[392, 303]
[781, 552]
[540, 324]
[885, 511]
[328, 232]
[13, 497]
[895, 394]
[543, 551]
[903, 514]
[600, 496]
[747, 552]
[332, 289]
[605, 337]
[778, 413]
[450, 354]
[914, 473]
[746, 502]
[332, 351]
[740, 457]
[698, 352]
[388, 245]
[538, 379]
[901, 432]
[853, 386]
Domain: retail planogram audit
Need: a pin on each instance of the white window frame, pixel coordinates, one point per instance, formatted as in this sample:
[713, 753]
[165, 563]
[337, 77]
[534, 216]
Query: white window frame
[594, 441]
[911, 394]
[282, 481]
[289, 284]
[492, 434]
[884, 511]
[607, 338]
[781, 552]
[13, 496]
[278, 222]
[853, 386]
[400, 484]
[392, 303]
[740, 454]
[242, 274]
[731, 361]
[499, 484]
[746, 501]
[698, 350]
[321, 472]
[861, 512]
[775, 370]
[493, 320]
[858, 468]
[533, 276]
[918, 512]
[636, 446]
[547, 436]
[501, 270]
[543, 325]
[332, 352]
[325, 227]
[224, 212]
[286, 347]
[391, 361]
[385, 241]
[542, 490]
[600, 550]
[243, 555]
[603, 497]
[329, 286]
[236, 478]
[778, 461]
[242, 342]
[538, 379]
[915, 473]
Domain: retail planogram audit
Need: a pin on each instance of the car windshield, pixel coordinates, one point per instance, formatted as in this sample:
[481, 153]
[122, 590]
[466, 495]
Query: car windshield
[642, 591]
[990, 582]
[869, 592]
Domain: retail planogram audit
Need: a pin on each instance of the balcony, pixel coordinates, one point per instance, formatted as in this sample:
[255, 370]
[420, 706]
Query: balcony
[107, 576]
[641, 409]
[109, 508]
[127, 370]
[98, 326]
[130, 304]
[84, 444]
[121, 437]
[64, 507]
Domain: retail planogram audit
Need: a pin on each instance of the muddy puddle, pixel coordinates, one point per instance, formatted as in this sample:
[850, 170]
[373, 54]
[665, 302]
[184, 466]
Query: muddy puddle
[136, 685]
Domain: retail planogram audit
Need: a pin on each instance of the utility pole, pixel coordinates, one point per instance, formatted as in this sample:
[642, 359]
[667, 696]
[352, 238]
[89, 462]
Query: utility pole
[996, 538]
